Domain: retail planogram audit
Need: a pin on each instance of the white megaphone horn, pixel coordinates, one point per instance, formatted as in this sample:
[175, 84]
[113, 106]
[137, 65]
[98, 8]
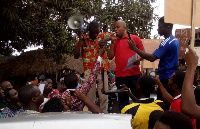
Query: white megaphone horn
[75, 22]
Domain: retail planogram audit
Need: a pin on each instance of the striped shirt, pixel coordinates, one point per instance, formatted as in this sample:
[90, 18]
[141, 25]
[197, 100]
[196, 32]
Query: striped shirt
[11, 112]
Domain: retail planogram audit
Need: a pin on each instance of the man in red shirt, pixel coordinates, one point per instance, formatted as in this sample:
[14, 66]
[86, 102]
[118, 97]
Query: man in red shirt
[122, 53]
[175, 85]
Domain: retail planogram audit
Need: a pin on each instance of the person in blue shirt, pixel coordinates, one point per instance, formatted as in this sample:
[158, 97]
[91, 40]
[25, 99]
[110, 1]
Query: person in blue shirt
[168, 53]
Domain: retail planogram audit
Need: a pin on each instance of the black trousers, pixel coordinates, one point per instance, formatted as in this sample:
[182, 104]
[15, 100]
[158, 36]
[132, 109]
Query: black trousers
[130, 81]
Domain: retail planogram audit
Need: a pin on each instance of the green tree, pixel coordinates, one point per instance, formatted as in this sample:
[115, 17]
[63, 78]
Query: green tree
[44, 22]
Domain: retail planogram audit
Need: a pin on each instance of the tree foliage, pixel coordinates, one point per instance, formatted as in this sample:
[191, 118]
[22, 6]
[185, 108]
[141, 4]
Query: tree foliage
[44, 22]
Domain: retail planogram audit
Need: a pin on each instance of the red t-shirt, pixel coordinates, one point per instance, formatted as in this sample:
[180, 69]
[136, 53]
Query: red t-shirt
[176, 106]
[123, 53]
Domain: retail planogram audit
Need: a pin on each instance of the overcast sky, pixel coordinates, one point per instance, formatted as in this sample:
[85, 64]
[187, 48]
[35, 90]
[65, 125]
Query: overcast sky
[159, 4]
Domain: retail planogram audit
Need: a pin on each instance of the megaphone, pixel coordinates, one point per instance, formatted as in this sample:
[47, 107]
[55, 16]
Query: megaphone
[75, 22]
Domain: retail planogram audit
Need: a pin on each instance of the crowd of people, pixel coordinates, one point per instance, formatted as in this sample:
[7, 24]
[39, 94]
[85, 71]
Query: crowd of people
[175, 107]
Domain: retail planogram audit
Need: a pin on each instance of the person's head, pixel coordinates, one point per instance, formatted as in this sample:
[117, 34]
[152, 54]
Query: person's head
[82, 75]
[30, 95]
[53, 105]
[173, 120]
[93, 30]
[48, 86]
[2, 96]
[11, 96]
[62, 87]
[145, 86]
[34, 80]
[153, 117]
[164, 28]
[176, 81]
[71, 80]
[120, 28]
[5, 84]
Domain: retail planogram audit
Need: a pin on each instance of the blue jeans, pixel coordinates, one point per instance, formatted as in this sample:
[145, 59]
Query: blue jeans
[130, 82]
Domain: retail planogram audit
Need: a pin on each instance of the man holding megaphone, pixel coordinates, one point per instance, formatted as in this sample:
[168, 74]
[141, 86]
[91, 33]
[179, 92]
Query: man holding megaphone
[87, 47]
